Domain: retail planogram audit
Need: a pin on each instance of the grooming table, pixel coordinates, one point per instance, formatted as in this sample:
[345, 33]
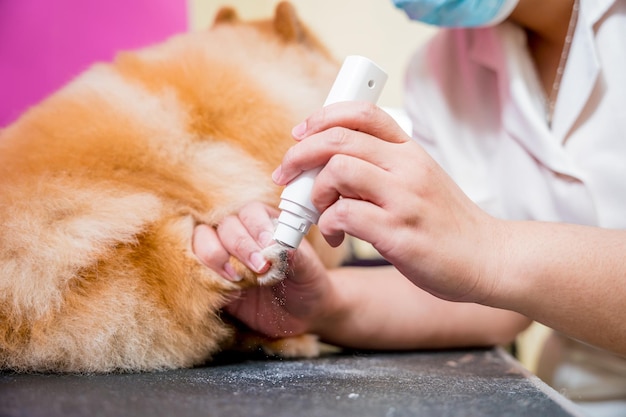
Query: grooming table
[456, 383]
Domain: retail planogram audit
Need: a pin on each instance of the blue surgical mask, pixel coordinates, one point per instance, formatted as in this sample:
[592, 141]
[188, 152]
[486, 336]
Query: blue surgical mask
[457, 13]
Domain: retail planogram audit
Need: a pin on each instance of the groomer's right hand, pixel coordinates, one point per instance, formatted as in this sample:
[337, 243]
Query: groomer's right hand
[382, 187]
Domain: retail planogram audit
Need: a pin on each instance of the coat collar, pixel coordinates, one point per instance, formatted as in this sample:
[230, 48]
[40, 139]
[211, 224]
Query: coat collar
[582, 69]
[503, 50]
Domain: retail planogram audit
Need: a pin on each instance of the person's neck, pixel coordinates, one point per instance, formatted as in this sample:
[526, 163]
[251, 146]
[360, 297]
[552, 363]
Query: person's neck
[546, 22]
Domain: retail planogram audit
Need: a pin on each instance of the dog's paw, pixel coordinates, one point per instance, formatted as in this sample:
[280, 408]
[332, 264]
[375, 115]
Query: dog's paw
[302, 346]
[294, 347]
[277, 255]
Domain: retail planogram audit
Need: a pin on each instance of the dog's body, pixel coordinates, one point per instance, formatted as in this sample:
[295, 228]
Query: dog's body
[101, 186]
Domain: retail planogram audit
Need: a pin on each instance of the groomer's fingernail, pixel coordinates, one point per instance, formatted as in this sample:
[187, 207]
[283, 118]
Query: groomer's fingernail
[230, 271]
[276, 174]
[265, 238]
[259, 263]
[299, 131]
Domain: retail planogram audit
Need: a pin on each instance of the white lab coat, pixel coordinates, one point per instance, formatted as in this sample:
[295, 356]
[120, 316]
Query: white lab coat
[477, 106]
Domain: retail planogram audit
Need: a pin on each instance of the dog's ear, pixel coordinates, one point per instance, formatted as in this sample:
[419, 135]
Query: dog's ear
[290, 29]
[287, 25]
[226, 15]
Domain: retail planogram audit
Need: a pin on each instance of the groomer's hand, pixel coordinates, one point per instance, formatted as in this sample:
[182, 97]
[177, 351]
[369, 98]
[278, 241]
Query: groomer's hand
[380, 186]
[292, 307]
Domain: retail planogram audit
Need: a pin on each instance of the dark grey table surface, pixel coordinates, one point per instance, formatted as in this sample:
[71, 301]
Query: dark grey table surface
[442, 383]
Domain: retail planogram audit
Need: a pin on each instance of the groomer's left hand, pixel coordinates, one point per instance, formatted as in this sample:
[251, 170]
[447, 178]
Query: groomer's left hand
[380, 186]
[300, 304]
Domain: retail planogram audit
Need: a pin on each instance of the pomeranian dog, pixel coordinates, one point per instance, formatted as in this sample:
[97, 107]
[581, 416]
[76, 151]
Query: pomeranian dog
[102, 184]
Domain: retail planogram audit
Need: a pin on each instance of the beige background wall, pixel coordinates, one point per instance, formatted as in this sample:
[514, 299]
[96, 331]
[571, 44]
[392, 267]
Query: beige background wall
[374, 28]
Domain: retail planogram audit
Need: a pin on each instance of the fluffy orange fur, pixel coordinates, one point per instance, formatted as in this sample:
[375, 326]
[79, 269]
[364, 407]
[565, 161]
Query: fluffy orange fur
[102, 184]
